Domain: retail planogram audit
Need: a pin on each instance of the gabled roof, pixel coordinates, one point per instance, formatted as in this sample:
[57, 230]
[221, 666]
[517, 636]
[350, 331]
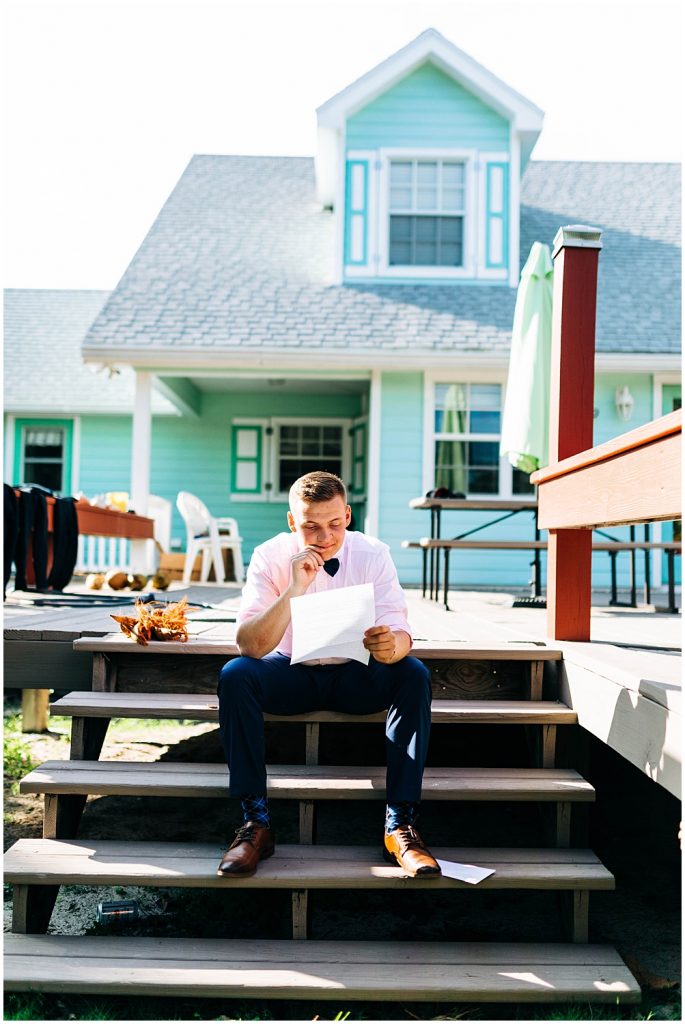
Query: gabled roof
[44, 370]
[524, 116]
[432, 46]
[237, 270]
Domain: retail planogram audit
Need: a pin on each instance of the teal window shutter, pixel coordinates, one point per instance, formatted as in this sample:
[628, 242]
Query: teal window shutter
[497, 216]
[356, 213]
[358, 481]
[247, 447]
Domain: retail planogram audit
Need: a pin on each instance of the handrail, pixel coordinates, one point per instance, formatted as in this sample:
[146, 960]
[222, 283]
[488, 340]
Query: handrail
[665, 426]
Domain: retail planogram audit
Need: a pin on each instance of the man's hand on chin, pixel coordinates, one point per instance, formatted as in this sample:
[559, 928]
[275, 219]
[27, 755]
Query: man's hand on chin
[383, 644]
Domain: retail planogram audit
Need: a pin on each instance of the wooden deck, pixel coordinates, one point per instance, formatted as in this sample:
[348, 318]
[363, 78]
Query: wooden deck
[624, 686]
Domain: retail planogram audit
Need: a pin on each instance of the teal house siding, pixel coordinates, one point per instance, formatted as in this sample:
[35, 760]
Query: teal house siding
[195, 455]
[401, 468]
[105, 454]
[427, 108]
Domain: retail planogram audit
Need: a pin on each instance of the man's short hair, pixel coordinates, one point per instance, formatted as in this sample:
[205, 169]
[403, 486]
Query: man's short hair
[317, 486]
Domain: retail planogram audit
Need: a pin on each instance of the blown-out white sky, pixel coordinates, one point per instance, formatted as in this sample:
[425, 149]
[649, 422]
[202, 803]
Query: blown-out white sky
[107, 100]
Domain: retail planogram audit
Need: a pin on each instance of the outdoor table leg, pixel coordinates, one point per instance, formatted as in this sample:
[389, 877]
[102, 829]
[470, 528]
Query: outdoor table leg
[671, 552]
[613, 556]
[648, 568]
[424, 555]
[633, 573]
[537, 576]
[447, 577]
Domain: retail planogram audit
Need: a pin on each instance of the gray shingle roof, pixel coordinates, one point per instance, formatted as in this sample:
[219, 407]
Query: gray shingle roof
[44, 371]
[240, 257]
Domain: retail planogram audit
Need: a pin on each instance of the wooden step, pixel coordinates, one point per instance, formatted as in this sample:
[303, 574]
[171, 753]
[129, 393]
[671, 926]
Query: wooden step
[303, 782]
[426, 650]
[200, 707]
[414, 971]
[105, 862]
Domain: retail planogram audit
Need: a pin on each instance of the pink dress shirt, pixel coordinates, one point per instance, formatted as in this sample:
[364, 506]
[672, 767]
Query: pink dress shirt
[362, 560]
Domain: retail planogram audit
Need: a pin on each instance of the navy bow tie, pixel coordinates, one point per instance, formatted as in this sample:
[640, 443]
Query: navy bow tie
[331, 566]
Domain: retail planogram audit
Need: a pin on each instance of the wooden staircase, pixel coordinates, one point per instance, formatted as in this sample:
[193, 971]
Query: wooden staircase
[498, 684]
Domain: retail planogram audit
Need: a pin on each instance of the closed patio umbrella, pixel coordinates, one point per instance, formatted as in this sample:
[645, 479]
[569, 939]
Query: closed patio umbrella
[525, 427]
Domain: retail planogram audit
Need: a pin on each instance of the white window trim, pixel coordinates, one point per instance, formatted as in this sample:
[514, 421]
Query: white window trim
[468, 270]
[485, 376]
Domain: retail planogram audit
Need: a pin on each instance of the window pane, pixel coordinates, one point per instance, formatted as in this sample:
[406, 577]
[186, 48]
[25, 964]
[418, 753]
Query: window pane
[483, 481]
[427, 199]
[484, 422]
[450, 396]
[486, 396]
[43, 444]
[400, 172]
[451, 229]
[483, 453]
[426, 229]
[401, 229]
[452, 199]
[450, 465]
[47, 474]
[452, 174]
[291, 469]
[450, 255]
[427, 173]
[400, 254]
[400, 199]
[520, 483]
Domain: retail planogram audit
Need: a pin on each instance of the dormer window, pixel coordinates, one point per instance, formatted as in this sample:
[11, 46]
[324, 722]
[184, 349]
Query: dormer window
[426, 213]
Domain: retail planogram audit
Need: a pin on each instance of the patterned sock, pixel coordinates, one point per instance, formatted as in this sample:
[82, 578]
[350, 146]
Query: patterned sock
[400, 814]
[256, 809]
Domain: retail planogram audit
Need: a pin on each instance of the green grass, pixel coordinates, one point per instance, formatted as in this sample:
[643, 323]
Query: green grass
[16, 751]
[36, 1006]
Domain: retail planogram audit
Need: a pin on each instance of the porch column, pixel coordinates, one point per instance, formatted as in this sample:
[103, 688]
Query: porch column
[571, 416]
[373, 470]
[140, 461]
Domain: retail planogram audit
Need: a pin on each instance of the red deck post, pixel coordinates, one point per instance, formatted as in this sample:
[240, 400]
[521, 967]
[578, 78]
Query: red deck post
[569, 556]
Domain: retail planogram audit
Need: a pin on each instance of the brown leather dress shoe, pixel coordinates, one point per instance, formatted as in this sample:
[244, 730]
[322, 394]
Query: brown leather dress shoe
[405, 847]
[252, 843]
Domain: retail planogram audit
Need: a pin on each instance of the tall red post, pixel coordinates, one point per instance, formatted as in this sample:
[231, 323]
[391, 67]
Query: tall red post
[572, 386]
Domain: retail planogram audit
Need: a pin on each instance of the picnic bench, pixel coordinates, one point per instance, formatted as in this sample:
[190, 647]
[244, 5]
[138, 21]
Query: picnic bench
[613, 548]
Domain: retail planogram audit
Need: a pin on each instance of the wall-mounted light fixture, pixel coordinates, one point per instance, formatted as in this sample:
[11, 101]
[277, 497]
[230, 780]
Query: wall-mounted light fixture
[624, 402]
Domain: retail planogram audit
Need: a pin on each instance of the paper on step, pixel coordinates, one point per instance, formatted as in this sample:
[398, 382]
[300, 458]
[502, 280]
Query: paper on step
[332, 624]
[464, 872]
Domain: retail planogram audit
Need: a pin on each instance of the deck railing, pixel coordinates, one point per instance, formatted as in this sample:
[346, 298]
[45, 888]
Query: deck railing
[634, 478]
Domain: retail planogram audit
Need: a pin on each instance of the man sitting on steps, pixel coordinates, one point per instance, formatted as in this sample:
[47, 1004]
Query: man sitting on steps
[320, 554]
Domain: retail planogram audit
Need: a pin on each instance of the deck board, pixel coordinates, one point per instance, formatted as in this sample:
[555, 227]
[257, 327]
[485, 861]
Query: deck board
[303, 782]
[100, 862]
[325, 970]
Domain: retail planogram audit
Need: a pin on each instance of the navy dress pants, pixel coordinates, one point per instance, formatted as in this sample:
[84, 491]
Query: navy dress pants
[248, 687]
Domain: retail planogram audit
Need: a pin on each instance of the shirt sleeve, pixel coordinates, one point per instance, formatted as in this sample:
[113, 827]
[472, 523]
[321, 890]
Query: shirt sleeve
[391, 606]
[260, 590]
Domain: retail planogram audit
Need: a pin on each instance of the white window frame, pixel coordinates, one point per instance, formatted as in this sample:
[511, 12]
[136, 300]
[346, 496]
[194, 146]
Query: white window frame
[468, 158]
[485, 376]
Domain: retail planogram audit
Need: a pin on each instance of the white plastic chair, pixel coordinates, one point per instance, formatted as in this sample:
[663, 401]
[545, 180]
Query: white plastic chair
[210, 535]
[158, 509]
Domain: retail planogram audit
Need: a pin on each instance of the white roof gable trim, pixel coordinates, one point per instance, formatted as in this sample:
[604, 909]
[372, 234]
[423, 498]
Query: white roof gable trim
[431, 45]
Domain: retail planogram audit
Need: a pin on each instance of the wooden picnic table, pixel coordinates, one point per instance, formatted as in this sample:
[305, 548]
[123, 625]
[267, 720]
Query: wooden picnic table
[508, 506]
